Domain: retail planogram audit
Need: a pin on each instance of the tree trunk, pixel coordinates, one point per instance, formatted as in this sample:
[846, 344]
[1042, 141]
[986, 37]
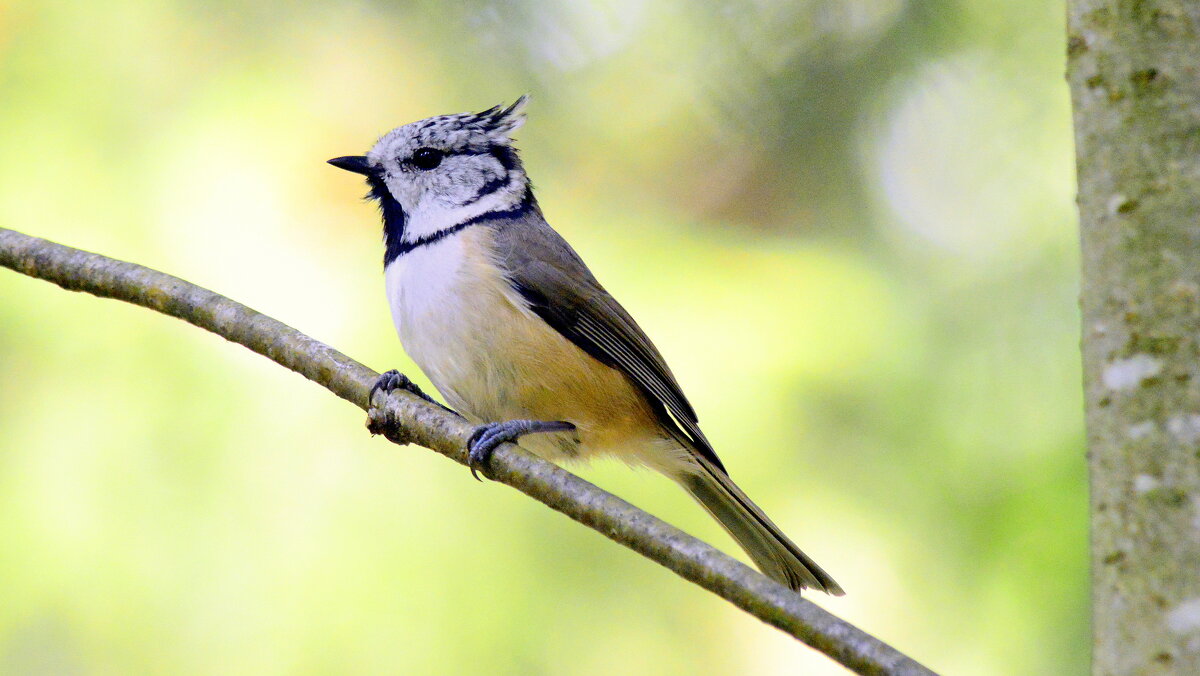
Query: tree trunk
[1134, 70]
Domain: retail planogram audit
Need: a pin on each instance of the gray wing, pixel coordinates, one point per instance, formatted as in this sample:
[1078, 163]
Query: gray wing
[561, 290]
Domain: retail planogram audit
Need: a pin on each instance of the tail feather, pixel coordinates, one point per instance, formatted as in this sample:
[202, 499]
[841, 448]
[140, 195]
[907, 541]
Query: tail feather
[774, 554]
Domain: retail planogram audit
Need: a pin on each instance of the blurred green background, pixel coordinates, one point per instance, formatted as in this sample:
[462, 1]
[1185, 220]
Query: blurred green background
[847, 224]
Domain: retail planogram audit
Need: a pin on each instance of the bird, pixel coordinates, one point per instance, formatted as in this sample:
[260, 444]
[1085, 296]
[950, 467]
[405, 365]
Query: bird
[518, 336]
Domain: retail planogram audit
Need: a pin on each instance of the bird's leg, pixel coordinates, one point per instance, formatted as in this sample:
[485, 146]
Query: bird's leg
[394, 380]
[487, 437]
[379, 421]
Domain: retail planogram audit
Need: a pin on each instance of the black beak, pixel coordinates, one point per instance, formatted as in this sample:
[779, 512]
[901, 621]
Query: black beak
[356, 163]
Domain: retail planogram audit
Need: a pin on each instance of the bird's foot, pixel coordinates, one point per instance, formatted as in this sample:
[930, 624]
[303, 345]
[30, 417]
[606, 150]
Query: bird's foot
[488, 436]
[394, 380]
[380, 421]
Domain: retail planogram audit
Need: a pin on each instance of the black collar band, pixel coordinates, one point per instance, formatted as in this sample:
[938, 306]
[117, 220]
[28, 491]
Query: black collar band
[398, 249]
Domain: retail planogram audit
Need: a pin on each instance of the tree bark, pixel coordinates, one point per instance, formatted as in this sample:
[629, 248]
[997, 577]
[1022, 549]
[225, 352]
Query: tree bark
[1134, 72]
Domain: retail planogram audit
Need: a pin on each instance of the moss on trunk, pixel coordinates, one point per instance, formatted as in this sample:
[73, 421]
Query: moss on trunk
[1134, 71]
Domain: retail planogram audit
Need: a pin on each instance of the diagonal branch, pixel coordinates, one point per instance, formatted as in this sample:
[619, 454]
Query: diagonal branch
[404, 418]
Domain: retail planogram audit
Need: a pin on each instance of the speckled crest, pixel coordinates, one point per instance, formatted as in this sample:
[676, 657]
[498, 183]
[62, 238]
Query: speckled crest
[462, 132]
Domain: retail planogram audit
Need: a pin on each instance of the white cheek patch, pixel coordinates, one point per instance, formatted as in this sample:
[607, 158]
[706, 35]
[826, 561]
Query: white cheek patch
[463, 180]
[432, 215]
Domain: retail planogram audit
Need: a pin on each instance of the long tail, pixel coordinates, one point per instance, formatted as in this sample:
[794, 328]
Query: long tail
[774, 554]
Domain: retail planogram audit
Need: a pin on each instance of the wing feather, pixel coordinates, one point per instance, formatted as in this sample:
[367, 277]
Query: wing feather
[560, 289]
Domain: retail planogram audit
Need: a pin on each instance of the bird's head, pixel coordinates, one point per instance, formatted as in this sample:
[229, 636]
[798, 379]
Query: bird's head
[444, 168]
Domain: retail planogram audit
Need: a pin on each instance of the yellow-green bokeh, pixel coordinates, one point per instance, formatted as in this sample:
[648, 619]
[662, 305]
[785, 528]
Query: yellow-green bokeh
[847, 224]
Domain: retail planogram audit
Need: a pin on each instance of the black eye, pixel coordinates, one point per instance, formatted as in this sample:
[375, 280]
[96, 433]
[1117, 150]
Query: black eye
[427, 158]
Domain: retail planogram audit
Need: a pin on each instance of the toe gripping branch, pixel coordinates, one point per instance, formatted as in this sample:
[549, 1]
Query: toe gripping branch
[377, 420]
[487, 437]
[394, 380]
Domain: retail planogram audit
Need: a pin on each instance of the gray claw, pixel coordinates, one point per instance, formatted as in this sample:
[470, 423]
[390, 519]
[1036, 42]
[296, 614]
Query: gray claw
[394, 380]
[487, 437]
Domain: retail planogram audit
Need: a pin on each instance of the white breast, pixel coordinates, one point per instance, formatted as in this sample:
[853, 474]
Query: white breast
[449, 303]
[493, 359]
[421, 281]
